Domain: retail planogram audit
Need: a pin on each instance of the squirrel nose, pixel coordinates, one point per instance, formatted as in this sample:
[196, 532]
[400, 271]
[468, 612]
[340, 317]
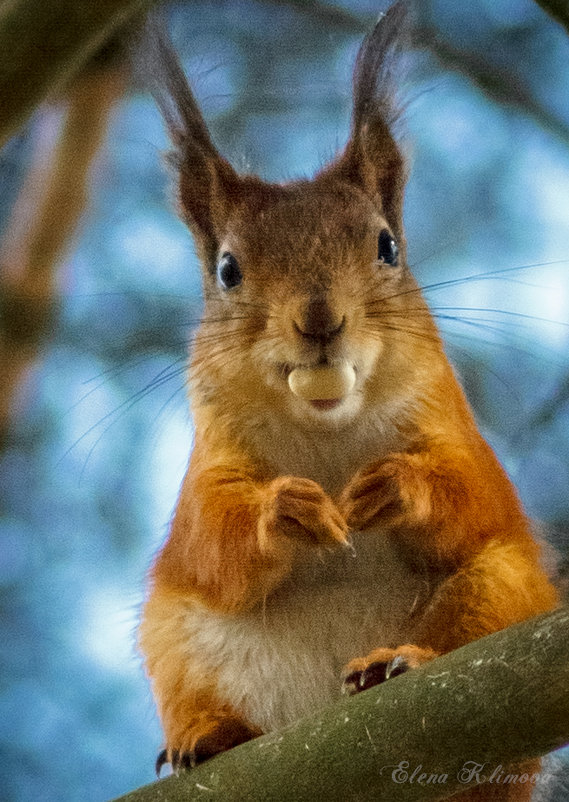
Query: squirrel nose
[319, 323]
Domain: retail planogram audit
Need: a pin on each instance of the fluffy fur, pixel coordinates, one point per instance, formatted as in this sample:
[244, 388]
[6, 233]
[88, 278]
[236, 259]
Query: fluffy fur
[307, 536]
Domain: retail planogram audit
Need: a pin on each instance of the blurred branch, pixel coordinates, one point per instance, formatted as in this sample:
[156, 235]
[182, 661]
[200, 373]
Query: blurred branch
[44, 219]
[501, 86]
[498, 84]
[558, 9]
[550, 409]
[335, 17]
[331, 16]
[30, 70]
[498, 701]
[43, 44]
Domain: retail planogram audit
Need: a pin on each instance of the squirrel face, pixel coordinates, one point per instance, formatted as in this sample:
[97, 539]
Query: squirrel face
[305, 276]
[310, 309]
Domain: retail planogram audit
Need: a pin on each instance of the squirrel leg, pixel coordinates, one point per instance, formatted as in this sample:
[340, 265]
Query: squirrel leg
[500, 586]
[436, 503]
[197, 725]
[206, 733]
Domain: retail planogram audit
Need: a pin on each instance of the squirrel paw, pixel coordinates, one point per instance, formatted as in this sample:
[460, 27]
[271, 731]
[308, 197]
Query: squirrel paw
[299, 509]
[388, 491]
[382, 664]
[199, 745]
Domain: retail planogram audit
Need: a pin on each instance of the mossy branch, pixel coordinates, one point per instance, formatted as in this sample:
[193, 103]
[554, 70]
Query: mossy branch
[496, 702]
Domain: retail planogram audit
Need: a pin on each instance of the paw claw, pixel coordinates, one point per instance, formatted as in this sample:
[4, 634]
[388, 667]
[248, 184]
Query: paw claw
[374, 674]
[197, 746]
[381, 665]
[299, 509]
[187, 760]
[161, 760]
[178, 760]
[399, 665]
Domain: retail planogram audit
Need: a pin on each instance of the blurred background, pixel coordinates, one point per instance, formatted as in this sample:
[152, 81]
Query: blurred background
[95, 433]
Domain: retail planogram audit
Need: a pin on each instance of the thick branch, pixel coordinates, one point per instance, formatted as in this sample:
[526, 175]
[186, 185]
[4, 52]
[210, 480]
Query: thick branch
[494, 703]
[42, 44]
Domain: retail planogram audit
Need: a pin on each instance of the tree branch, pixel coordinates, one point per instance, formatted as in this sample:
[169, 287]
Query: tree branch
[44, 219]
[43, 44]
[499, 85]
[497, 702]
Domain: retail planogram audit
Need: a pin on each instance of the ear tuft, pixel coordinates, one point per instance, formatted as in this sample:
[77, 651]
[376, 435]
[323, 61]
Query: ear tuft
[372, 159]
[206, 180]
[165, 78]
[377, 70]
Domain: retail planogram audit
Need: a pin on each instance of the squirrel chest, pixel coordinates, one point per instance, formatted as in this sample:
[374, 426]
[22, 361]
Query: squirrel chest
[284, 658]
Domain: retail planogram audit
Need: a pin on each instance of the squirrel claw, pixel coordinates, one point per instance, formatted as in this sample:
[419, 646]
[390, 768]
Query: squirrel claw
[160, 761]
[184, 760]
[374, 674]
[381, 665]
[228, 732]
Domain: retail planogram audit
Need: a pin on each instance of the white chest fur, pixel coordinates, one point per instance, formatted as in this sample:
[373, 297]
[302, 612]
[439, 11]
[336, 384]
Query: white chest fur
[284, 660]
[328, 456]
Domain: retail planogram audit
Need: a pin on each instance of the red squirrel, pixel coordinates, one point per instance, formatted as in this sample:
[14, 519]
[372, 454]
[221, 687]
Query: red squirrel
[342, 519]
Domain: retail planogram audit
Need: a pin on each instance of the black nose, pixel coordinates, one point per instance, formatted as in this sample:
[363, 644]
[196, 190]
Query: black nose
[319, 323]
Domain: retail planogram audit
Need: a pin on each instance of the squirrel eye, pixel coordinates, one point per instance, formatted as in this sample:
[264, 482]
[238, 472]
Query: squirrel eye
[228, 273]
[387, 249]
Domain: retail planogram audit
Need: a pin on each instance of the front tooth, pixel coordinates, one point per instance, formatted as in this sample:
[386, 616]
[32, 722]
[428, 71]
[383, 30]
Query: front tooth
[322, 382]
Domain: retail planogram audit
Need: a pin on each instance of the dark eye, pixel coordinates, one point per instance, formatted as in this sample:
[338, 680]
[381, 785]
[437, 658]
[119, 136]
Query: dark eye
[228, 272]
[387, 249]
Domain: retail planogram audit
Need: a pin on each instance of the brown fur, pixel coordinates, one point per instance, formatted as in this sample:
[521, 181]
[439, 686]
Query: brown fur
[270, 487]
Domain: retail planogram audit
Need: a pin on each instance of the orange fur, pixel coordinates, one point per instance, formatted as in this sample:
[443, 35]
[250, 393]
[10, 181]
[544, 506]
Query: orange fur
[197, 722]
[255, 597]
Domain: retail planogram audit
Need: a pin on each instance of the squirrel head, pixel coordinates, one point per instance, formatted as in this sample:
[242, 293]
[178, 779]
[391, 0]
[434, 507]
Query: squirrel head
[310, 308]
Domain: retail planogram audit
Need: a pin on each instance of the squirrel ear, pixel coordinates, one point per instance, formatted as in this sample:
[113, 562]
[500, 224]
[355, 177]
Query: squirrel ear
[372, 158]
[207, 182]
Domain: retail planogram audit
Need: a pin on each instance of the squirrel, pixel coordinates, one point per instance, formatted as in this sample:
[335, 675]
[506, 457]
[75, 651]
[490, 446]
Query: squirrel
[342, 519]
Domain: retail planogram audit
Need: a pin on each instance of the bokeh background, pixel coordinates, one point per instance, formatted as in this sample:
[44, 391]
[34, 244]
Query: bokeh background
[97, 436]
